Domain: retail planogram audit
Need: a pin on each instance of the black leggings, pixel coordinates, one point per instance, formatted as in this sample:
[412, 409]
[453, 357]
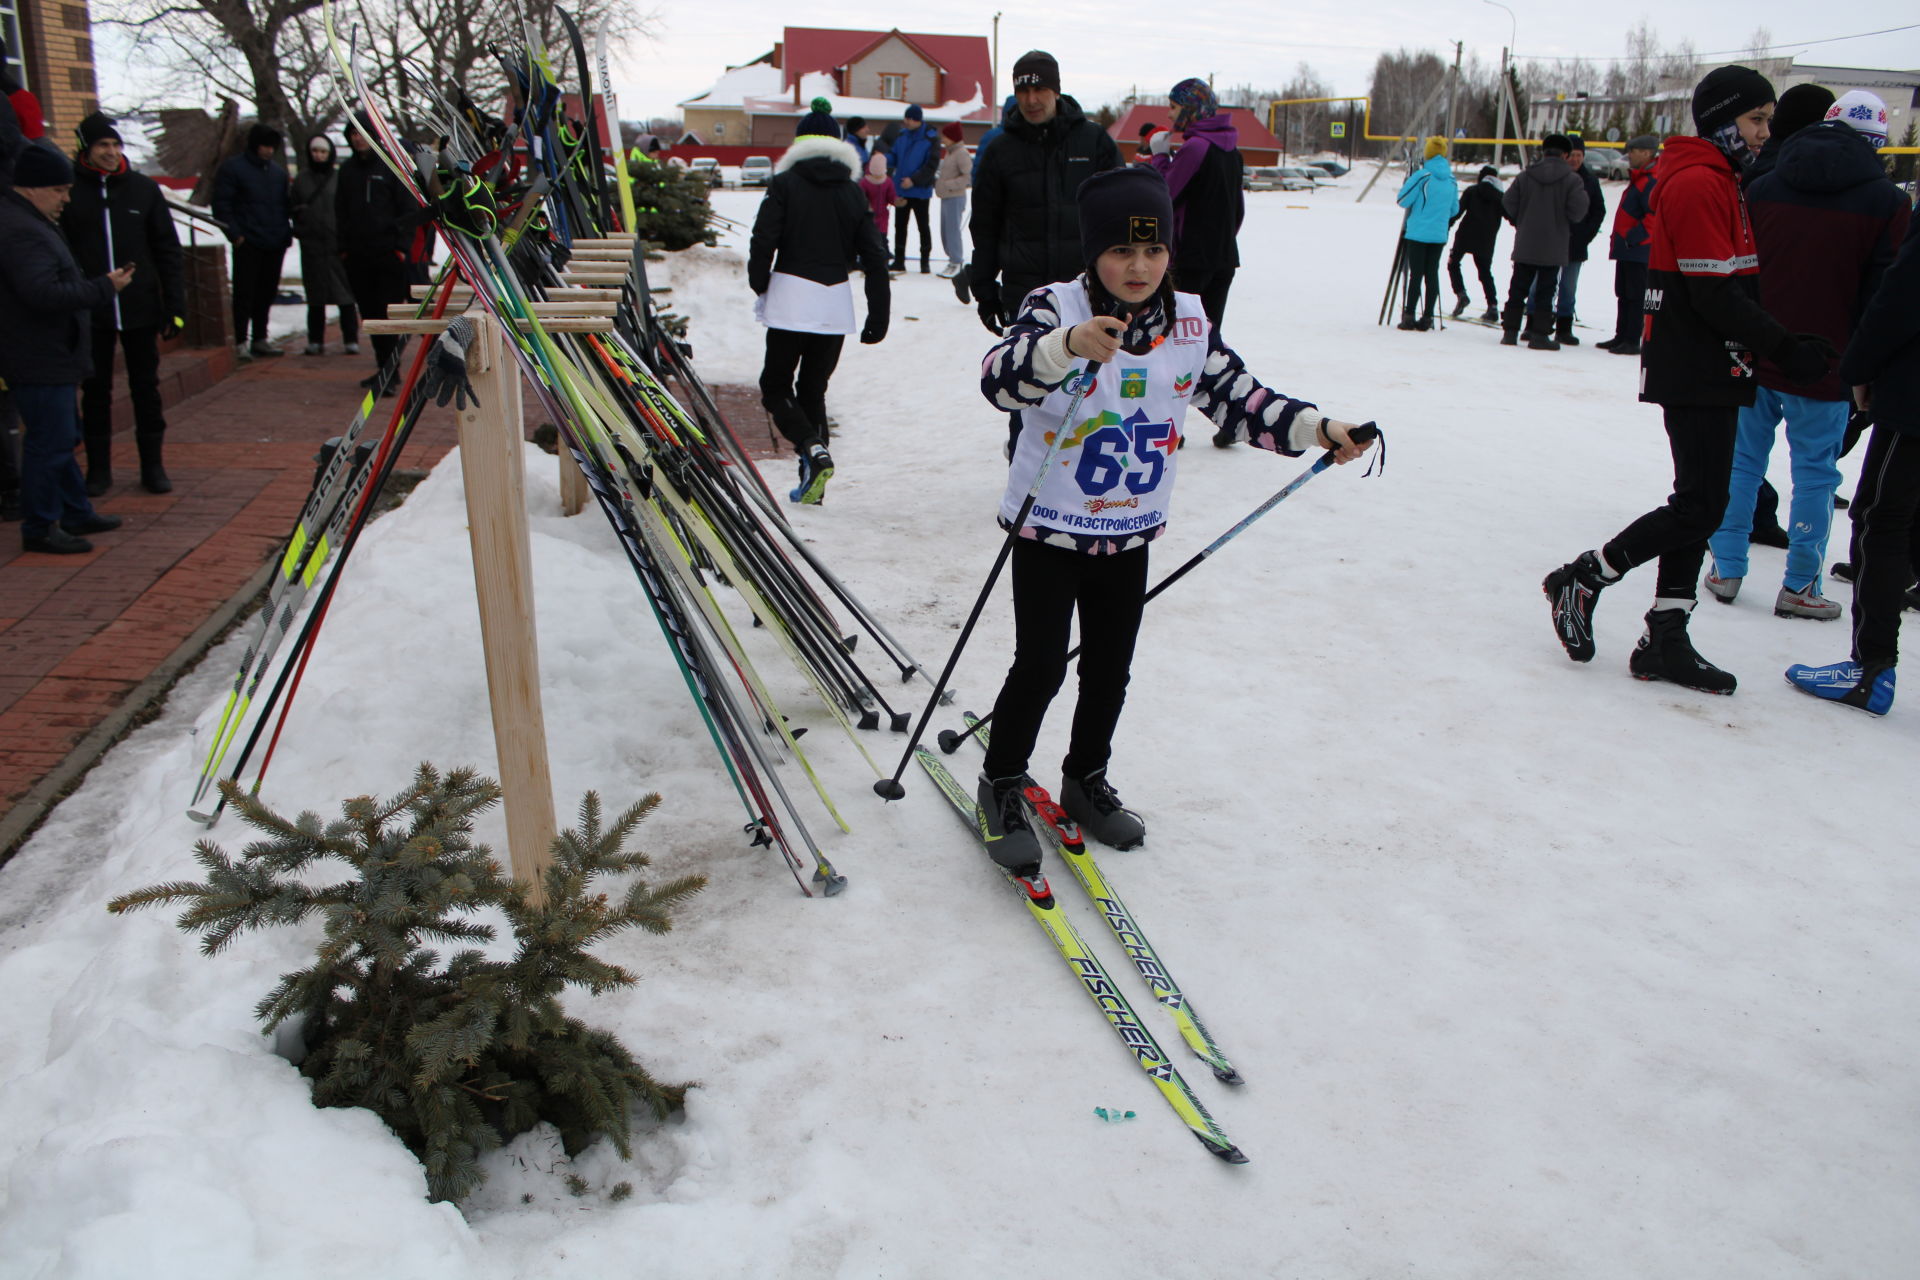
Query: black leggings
[256, 283]
[1048, 583]
[1701, 438]
[1423, 269]
[793, 382]
[918, 208]
[1883, 524]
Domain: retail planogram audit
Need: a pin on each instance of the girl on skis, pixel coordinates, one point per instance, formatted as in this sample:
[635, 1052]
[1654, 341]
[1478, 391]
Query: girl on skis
[1107, 494]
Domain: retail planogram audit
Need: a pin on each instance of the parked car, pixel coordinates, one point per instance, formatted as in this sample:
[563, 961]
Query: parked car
[1274, 178]
[1605, 162]
[756, 171]
[708, 166]
[1308, 172]
[1332, 168]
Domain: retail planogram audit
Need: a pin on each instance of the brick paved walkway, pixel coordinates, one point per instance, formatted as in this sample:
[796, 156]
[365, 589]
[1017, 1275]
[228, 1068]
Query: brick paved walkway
[79, 635]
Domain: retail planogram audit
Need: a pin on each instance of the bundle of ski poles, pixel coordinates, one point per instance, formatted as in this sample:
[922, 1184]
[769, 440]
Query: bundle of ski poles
[520, 211]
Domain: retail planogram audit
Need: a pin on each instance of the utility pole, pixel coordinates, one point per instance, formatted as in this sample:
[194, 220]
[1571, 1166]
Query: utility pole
[993, 95]
[1453, 94]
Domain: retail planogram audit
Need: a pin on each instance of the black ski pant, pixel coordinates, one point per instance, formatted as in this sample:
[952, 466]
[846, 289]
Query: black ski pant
[1423, 273]
[1629, 301]
[317, 322]
[9, 445]
[1527, 276]
[793, 382]
[1701, 439]
[378, 281]
[918, 208]
[1212, 286]
[256, 281]
[1483, 263]
[140, 352]
[1049, 584]
[1883, 534]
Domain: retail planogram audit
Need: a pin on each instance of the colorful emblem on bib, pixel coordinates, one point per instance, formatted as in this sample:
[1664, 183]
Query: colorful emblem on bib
[1183, 387]
[1133, 384]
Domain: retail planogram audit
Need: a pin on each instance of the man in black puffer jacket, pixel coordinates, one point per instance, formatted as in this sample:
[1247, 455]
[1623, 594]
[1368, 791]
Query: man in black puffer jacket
[118, 216]
[1026, 214]
[813, 222]
[1480, 218]
[373, 221]
[250, 197]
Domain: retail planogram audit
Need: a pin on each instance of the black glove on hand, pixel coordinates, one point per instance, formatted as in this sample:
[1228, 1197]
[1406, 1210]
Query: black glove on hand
[875, 332]
[986, 298]
[1805, 357]
[445, 377]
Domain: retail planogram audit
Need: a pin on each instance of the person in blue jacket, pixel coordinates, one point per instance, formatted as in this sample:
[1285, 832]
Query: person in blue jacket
[1431, 197]
[916, 163]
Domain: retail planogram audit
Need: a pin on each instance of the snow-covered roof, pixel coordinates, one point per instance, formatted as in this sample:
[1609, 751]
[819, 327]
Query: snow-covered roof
[755, 80]
[755, 89]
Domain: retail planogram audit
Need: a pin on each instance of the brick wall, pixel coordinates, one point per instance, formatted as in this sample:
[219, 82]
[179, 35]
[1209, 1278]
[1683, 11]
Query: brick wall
[59, 39]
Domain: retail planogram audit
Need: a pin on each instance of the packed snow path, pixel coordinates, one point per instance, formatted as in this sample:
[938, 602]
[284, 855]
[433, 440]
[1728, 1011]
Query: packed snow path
[1532, 969]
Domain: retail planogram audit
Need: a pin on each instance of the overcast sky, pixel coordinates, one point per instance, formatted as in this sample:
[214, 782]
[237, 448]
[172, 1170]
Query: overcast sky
[1105, 49]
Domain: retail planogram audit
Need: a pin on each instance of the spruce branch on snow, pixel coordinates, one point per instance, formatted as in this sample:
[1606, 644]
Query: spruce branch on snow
[456, 1055]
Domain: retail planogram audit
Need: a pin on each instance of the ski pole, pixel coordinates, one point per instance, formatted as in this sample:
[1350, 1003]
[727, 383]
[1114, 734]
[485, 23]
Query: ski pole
[890, 788]
[950, 739]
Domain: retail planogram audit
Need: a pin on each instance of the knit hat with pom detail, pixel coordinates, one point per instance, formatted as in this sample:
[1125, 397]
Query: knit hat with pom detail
[818, 122]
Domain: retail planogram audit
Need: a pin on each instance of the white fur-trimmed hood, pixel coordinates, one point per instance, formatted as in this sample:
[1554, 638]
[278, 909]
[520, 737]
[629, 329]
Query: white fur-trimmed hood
[822, 146]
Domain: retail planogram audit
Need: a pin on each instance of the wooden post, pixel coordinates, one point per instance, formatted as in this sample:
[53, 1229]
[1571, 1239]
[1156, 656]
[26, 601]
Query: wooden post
[492, 461]
[575, 492]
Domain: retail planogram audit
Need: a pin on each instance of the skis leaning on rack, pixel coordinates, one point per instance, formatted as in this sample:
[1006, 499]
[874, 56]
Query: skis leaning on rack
[1038, 897]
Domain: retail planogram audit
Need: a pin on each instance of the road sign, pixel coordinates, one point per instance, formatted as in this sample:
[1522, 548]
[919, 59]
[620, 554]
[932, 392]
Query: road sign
[1339, 128]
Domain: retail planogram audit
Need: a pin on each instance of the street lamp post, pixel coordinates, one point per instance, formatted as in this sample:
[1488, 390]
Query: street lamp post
[1500, 101]
[994, 95]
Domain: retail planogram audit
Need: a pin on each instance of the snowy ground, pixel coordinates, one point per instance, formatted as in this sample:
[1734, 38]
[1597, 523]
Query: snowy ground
[1533, 970]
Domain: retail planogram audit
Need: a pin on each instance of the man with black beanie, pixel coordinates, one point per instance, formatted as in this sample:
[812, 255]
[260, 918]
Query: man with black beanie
[118, 216]
[46, 330]
[373, 221]
[1697, 362]
[250, 198]
[1025, 224]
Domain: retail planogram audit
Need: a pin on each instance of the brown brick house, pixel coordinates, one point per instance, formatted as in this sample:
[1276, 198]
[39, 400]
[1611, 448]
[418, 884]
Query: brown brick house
[50, 49]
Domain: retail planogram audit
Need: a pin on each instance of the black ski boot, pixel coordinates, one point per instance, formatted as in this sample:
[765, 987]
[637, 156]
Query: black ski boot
[1005, 831]
[1572, 590]
[1665, 653]
[1091, 802]
[1407, 322]
[1459, 307]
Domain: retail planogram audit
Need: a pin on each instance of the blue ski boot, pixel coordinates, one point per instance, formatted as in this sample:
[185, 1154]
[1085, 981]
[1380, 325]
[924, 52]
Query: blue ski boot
[816, 468]
[1870, 689]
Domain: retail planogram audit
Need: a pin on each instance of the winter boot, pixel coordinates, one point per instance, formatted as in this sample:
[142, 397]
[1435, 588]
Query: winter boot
[1425, 322]
[1572, 589]
[816, 468]
[898, 266]
[153, 476]
[1563, 331]
[1804, 603]
[1771, 535]
[1870, 689]
[963, 285]
[55, 542]
[1004, 827]
[1492, 316]
[1666, 653]
[1725, 590]
[1626, 348]
[1407, 322]
[1091, 802]
[99, 478]
[1843, 570]
[1459, 307]
[926, 264]
[1540, 337]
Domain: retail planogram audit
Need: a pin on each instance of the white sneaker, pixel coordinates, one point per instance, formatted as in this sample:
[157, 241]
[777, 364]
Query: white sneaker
[1724, 589]
[353, 348]
[949, 271]
[1805, 603]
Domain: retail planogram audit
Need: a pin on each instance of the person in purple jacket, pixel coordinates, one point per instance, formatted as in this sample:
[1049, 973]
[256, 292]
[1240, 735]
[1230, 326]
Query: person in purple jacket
[1208, 203]
[1827, 222]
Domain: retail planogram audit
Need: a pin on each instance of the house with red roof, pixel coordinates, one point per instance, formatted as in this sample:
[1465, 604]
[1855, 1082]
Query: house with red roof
[1257, 145]
[873, 74]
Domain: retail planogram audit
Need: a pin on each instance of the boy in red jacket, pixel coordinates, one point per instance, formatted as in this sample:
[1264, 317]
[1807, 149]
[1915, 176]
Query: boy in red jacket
[1702, 327]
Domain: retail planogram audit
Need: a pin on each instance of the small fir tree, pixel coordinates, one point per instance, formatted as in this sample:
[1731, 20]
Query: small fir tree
[460, 1054]
[671, 206]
